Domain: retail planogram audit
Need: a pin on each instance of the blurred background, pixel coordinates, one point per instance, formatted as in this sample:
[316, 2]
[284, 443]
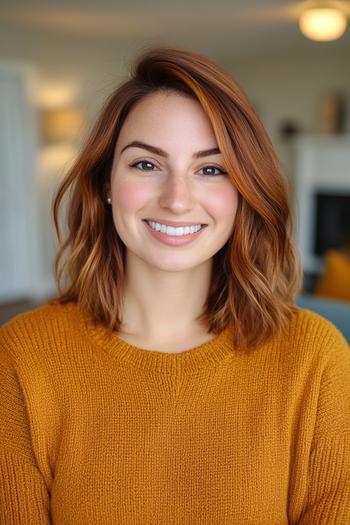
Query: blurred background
[59, 60]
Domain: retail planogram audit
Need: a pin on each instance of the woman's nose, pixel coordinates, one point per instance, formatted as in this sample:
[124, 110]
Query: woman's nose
[177, 194]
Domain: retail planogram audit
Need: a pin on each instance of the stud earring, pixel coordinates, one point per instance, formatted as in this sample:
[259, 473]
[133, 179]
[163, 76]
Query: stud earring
[109, 200]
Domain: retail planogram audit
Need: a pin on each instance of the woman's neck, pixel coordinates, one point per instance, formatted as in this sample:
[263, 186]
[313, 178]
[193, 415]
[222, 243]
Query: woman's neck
[162, 305]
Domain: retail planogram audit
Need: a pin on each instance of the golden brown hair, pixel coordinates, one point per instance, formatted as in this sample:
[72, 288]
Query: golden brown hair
[255, 276]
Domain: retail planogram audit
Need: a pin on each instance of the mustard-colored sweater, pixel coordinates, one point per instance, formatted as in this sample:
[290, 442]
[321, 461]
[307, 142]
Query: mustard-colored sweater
[97, 431]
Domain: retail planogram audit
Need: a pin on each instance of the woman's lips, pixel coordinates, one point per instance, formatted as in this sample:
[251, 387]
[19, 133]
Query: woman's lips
[174, 240]
[175, 224]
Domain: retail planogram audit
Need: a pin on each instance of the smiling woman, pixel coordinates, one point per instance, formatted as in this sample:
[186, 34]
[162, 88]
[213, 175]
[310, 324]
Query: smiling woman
[173, 379]
[180, 142]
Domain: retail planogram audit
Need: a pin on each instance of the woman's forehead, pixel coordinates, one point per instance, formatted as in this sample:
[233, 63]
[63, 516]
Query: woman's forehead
[168, 121]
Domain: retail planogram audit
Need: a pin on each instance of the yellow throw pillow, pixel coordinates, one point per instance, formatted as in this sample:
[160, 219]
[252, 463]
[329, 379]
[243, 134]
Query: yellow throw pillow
[335, 281]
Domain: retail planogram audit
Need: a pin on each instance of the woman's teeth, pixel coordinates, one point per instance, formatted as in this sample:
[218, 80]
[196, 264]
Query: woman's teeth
[170, 230]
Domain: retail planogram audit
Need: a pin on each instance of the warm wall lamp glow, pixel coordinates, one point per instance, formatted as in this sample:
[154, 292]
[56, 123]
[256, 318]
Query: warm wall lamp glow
[61, 125]
[323, 23]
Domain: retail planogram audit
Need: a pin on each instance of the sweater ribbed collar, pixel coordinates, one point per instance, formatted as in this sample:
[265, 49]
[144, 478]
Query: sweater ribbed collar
[205, 355]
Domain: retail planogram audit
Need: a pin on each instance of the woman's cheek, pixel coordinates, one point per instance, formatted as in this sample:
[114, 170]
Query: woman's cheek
[132, 196]
[221, 203]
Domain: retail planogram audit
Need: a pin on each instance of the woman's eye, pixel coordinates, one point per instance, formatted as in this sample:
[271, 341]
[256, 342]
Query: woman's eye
[210, 170]
[147, 165]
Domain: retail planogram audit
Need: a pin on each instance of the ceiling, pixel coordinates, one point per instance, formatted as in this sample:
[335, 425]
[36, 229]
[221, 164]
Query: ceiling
[236, 27]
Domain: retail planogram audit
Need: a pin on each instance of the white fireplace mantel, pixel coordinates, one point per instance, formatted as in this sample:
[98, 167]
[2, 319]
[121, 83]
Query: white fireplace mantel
[322, 163]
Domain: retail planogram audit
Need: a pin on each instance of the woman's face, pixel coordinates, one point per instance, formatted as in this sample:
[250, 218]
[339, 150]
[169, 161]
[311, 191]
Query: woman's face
[172, 184]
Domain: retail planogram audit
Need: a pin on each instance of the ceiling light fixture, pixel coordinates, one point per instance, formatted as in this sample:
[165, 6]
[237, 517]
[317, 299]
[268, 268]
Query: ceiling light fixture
[323, 22]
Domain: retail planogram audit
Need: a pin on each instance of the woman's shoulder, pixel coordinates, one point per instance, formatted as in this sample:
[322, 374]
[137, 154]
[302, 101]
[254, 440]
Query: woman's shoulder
[313, 334]
[313, 324]
[309, 346]
[39, 324]
[40, 315]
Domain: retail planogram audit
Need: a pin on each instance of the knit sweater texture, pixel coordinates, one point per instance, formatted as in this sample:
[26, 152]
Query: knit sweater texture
[97, 431]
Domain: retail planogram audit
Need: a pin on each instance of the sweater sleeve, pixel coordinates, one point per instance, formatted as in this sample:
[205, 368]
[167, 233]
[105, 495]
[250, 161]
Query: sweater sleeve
[24, 498]
[328, 499]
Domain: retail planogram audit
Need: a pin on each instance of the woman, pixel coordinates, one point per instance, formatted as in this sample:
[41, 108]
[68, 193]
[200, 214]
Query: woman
[173, 379]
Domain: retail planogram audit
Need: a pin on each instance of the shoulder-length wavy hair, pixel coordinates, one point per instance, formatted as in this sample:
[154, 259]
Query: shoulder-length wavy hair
[255, 275]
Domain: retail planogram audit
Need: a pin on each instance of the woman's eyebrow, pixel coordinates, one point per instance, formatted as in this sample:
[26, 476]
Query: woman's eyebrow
[162, 153]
